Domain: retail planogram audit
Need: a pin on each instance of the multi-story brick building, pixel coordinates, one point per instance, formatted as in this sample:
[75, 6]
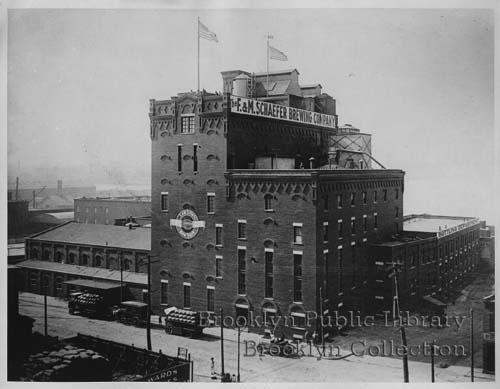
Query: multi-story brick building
[262, 204]
[78, 251]
[105, 210]
[437, 257]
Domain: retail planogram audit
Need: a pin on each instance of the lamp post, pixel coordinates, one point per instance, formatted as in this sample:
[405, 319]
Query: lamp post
[239, 333]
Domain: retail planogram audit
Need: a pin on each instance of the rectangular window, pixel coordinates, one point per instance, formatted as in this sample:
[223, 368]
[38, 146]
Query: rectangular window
[339, 201]
[242, 269]
[341, 267]
[210, 299]
[353, 198]
[354, 270]
[365, 223]
[179, 158]
[164, 201]
[375, 220]
[325, 232]
[297, 233]
[325, 202]
[210, 203]
[218, 266]
[268, 202]
[396, 193]
[364, 197]
[353, 226]
[268, 274]
[385, 194]
[164, 292]
[187, 295]
[374, 196]
[297, 277]
[195, 158]
[187, 124]
[339, 228]
[242, 229]
[396, 212]
[325, 270]
[218, 234]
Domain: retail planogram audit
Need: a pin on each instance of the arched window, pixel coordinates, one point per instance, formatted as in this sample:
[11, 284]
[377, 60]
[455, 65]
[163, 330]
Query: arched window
[98, 261]
[298, 316]
[71, 258]
[112, 263]
[85, 260]
[59, 257]
[268, 202]
[126, 264]
[46, 255]
[34, 254]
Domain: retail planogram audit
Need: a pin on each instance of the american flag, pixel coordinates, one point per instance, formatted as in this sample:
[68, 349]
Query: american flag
[205, 33]
[276, 54]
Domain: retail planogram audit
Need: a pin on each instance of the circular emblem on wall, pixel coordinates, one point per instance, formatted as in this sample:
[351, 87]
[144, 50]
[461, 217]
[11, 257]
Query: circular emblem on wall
[187, 228]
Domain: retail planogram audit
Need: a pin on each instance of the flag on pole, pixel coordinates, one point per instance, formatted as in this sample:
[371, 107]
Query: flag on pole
[276, 54]
[205, 33]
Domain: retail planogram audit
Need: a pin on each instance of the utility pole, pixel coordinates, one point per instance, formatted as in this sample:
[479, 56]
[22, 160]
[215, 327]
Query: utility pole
[148, 323]
[17, 188]
[394, 274]
[239, 333]
[121, 277]
[471, 345]
[45, 313]
[222, 341]
[321, 319]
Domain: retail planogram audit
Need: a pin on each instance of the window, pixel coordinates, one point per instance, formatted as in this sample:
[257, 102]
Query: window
[164, 201]
[374, 196]
[187, 124]
[325, 202]
[396, 193]
[210, 299]
[71, 258]
[85, 259]
[145, 296]
[179, 158]
[353, 198]
[365, 223]
[34, 254]
[46, 255]
[195, 158]
[375, 220]
[242, 271]
[98, 261]
[126, 264]
[164, 292]
[353, 226]
[364, 197]
[268, 273]
[218, 234]
[59, 257]
[354, 270]
[242, 229]
[218, 266]
[396, 212]
[339, 228]
[341, 267]
[385, 194]
[325, 232]
[268, 202]
[297, 276]
[339, 201]
[325, 270]
[187, 295]
[211, 203]
[297, 233]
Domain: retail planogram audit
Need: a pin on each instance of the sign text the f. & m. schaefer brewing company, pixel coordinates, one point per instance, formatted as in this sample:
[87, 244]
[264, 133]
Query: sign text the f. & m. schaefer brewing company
[275, 111]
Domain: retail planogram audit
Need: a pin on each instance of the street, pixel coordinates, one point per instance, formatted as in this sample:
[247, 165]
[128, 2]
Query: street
[253, 369]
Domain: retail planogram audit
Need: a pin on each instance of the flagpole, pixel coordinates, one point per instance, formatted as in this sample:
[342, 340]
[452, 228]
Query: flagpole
[267, 77]
[198, 54]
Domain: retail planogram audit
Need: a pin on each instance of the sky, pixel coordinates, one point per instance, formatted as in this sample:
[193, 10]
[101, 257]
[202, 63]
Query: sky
[420, 81]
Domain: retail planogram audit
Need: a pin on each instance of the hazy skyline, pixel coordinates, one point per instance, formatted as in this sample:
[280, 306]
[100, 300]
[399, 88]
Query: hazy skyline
[421, 81]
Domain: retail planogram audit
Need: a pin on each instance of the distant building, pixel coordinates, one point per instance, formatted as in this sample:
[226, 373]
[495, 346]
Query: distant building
[106, 210]
[17, 217]
[437, 257]
[75, 251]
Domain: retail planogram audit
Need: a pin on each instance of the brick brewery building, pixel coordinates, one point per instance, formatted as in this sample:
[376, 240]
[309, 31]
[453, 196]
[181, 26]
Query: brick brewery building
[261, 203]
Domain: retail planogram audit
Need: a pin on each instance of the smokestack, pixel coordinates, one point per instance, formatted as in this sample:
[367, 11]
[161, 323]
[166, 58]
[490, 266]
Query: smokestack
[34, 200]
[59, 187]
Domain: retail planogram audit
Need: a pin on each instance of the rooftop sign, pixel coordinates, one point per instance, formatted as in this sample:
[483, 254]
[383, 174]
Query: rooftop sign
[460, 227]
[274, 111]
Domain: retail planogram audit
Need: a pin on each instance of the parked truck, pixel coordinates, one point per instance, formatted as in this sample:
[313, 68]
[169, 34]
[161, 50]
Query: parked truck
[90, 304]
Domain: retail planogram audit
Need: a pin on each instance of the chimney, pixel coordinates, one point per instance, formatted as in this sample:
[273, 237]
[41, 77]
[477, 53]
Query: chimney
[59, 187]
[311, 163]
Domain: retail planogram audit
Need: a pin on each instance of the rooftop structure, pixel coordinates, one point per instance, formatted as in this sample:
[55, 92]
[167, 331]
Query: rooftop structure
[98, 235]
[440, 225]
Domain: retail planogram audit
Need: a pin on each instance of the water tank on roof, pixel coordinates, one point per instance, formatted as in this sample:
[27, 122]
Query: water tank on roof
[240, 85]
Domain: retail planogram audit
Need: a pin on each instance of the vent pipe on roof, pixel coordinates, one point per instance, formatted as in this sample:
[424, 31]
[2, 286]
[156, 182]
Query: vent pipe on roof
[311, 162]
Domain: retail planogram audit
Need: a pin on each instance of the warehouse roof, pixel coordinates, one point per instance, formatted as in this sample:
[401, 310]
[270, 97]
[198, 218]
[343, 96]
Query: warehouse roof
[98, 235]
[102, 285]
[430, 223]
[85, 271]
